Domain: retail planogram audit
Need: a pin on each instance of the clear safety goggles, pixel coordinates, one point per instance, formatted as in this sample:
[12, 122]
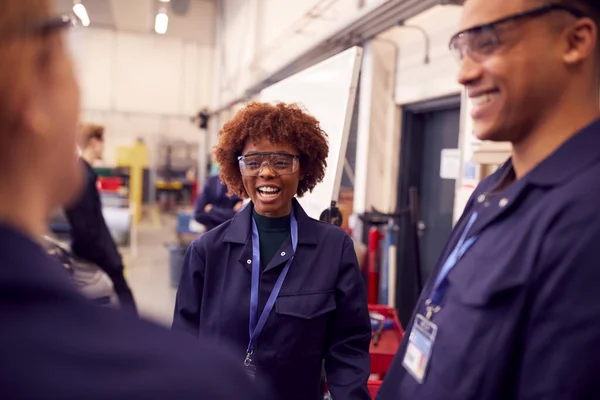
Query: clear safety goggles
[481, 41]
[43, 27]
[278, 163]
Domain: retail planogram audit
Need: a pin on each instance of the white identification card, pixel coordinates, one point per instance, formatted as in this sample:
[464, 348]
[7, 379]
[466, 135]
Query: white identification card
[418, 349]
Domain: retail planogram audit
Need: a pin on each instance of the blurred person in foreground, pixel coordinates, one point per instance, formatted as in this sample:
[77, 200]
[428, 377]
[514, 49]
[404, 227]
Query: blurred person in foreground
[513, 309]
[90, 238]
[54, 343]
[213, 205]
[272, 280]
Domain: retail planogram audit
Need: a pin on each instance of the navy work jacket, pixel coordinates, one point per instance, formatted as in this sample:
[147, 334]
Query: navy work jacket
[321, 313]
[55, 345]
[214, 192]
[521, 317]
[90, 238]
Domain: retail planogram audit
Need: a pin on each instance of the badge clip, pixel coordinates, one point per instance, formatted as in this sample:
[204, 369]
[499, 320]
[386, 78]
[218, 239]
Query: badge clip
[431, 309]
[248, 360]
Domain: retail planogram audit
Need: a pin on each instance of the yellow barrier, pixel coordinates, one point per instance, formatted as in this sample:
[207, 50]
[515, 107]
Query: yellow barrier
[136, 159]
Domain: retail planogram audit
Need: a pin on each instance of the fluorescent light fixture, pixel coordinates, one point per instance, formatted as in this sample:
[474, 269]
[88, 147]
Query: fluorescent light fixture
[161, 23]
[81, 12]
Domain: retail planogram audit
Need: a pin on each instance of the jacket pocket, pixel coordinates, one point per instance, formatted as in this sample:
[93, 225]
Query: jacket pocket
[479, 323]
[301, 321]
[306, 305]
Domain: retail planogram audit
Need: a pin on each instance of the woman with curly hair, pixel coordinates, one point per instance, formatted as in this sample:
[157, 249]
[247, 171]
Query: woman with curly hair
[283, 287]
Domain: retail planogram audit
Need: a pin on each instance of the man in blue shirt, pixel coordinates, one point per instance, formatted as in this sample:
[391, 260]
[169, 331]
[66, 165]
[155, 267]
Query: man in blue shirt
[513, 309]
[213, 206]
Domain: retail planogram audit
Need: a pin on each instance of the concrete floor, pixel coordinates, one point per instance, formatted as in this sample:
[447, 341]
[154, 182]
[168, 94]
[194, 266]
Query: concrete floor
[148, 271]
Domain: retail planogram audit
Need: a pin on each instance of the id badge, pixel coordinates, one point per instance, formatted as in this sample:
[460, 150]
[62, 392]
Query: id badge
[418, 350]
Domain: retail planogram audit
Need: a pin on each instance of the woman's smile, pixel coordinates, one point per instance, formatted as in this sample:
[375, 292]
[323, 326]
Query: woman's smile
[269, 180]
[268, 193]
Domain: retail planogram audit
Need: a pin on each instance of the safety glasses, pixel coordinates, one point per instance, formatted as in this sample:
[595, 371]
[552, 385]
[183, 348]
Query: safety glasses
[483, 40]
[279, 163]
[44, 27]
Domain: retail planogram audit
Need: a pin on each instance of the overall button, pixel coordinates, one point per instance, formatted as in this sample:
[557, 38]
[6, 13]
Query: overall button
[249, 261]
[503, 202]
[283, 254]
[481, 198]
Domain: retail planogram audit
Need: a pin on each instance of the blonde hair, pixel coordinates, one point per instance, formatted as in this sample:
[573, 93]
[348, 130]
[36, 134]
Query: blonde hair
[89, 132]
[21, 57]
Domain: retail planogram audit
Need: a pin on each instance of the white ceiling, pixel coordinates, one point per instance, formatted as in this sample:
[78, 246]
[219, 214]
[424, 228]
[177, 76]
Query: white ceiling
[198, 24]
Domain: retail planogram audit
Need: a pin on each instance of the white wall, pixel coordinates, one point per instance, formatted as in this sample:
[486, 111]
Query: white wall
[417, 81]
[141, 85]
[470, 173]
[377, 150]
[259, 36]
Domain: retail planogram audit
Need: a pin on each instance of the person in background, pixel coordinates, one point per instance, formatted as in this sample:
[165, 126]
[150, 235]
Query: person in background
[283, 286]
[54, 343]
[512, 309]
[213, 205]
[90, 238]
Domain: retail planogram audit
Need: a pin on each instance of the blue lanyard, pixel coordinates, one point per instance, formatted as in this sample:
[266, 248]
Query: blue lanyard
[441, 282]
[256, 326]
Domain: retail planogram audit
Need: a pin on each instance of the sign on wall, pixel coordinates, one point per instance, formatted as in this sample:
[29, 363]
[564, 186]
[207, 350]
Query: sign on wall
[450, 164]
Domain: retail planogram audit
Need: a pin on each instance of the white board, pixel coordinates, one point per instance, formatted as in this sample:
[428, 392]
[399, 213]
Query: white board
[327, 91]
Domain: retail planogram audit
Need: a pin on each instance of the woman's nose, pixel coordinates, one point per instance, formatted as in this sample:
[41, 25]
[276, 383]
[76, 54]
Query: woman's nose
[266, 171]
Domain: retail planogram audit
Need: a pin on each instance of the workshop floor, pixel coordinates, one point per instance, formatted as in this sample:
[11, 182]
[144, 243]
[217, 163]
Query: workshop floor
[148, 271]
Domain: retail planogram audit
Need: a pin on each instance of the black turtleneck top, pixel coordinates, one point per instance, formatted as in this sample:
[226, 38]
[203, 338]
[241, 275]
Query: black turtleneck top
[272, 233]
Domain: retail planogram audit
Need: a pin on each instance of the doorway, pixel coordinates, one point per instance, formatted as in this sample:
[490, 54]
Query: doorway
[427, 129]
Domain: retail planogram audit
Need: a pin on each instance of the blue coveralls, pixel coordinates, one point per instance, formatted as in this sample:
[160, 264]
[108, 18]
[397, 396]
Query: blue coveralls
[55, 345]
[521, 316]
[321, 312]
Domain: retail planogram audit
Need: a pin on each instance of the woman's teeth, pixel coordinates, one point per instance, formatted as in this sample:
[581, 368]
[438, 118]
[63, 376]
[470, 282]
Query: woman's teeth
[268, 192]
[484, 99]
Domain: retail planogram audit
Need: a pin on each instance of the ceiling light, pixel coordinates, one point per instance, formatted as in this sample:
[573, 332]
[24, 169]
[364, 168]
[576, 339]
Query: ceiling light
[81, 12]
[161, 23]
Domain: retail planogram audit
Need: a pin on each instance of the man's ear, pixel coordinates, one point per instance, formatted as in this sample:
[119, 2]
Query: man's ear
[581, 39]
[36, 122]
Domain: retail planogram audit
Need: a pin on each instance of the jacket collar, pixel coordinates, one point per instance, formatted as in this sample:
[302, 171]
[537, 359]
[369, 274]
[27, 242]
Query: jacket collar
[240, 229]
[24, 263]
[576, 154]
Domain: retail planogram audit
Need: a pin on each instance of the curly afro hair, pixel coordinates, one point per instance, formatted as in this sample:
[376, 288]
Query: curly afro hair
[278, 123]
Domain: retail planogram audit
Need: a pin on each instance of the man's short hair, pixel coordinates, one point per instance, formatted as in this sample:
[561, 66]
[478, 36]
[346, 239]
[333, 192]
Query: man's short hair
[90, 132]
[591, 8]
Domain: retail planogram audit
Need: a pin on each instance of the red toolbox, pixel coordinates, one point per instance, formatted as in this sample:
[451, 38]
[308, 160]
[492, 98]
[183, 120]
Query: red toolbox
[109, 183]
[373, 387]
[386, 339]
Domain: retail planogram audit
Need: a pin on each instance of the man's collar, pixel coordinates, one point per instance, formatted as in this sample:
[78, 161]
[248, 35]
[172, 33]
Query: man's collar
[575, 155]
